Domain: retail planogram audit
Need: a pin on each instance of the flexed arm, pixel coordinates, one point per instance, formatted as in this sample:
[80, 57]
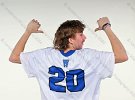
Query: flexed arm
[117, 47]
[32, 27]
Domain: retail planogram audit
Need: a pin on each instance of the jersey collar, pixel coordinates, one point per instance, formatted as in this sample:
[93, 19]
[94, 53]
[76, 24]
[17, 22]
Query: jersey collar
[69, 53]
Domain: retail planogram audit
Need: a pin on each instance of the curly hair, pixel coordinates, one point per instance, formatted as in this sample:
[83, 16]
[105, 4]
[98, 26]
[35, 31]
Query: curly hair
[67, 30]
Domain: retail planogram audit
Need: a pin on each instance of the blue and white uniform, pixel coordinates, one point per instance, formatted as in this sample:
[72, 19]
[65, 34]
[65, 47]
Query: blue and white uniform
[75, 75]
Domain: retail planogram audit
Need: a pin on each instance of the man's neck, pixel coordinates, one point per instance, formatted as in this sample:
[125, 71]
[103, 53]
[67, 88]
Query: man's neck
[68, 49]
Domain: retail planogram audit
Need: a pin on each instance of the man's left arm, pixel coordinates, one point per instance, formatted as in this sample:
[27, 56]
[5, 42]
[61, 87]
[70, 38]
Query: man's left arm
[117, 47]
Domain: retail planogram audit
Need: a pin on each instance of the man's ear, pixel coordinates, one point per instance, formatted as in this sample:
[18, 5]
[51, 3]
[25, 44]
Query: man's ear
[70, 40]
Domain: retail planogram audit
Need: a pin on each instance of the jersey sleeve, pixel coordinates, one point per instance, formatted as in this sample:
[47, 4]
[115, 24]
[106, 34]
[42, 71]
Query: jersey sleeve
[105, 63]
[101, 62]
[31, 62]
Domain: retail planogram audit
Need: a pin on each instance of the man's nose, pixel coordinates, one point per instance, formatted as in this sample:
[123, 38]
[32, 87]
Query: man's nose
[84, 36]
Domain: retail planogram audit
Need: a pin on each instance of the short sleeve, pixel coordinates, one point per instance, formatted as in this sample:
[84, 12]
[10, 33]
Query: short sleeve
[105, 63]
[30, 62]
[99, 62]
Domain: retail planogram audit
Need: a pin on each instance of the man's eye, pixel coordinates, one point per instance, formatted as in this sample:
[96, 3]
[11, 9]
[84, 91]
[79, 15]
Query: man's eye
[81, 34]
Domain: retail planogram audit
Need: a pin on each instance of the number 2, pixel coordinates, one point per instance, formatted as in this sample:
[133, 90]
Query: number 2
[70, 84]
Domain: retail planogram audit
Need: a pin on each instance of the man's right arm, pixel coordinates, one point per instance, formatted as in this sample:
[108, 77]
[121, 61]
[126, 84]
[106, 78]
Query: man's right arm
[32, 27]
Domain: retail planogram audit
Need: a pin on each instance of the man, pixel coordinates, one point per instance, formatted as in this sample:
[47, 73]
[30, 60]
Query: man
[67, 71]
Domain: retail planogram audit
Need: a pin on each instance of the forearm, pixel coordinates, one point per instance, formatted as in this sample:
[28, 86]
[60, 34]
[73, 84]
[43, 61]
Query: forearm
[19, 47]
[117, 47]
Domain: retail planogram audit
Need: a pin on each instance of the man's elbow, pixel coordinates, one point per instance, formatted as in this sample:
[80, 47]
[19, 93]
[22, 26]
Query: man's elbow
[15, 59]
[124, 58]
[121, 59]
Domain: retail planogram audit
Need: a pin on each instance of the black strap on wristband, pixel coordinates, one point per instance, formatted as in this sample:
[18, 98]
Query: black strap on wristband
[105, 25]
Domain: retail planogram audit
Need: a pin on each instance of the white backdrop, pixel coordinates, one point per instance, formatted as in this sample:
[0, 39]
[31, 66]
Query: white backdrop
[14, 16]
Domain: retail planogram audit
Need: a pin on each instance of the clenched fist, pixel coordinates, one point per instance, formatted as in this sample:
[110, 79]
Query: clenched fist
[33, 27]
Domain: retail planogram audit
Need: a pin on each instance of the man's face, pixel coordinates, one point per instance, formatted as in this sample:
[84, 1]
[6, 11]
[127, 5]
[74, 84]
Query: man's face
[78, 40]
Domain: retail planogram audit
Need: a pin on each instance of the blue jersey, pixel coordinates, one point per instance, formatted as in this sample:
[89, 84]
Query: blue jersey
[75, 75]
